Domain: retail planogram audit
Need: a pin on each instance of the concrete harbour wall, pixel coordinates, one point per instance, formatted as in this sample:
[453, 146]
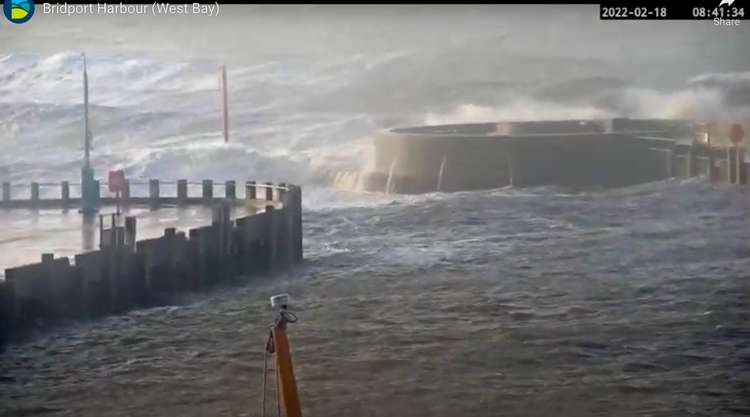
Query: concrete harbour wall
[574, 153]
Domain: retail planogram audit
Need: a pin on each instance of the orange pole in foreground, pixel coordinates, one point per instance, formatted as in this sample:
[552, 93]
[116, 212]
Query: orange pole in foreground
[288, 396]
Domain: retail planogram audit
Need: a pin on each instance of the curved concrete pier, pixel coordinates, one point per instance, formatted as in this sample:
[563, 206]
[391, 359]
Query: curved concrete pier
[572, 153]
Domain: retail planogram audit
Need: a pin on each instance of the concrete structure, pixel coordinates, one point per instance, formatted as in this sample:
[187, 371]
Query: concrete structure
[572, 153]
[126, 274]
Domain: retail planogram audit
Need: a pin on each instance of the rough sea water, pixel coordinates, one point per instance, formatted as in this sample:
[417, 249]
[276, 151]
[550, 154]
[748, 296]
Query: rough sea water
[512, 302]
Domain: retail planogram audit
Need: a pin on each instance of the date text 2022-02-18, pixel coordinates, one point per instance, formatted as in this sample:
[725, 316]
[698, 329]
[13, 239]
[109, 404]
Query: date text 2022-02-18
[671, 12]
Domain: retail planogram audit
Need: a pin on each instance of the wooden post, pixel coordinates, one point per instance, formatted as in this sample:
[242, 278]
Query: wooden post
[113, 217]
[119, 234]
[269, 191]
[729, 164]
[250, 190]
[217, 215]
[101, 231]
[737, 163]
[221, 219]
[741, 171]
[65, 193]
[34, 194]
[197, 259]
[230, 191]
[125, 194]
[182, 192]
[6, 191]
[208, 191]
[153, 192]
[130, 231]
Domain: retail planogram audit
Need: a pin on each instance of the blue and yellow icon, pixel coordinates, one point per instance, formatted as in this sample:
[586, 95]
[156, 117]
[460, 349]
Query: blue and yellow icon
[18, 11]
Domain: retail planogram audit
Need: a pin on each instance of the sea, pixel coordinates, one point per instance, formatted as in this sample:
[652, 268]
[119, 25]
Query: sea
[505, 302]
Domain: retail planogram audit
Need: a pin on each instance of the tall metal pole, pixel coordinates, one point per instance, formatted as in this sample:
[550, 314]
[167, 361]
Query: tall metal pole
[86, 130]
[89, 186]
[224, 96]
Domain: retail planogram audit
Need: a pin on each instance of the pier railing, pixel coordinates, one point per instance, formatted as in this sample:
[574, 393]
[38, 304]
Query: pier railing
[718, 163]
[154, 192]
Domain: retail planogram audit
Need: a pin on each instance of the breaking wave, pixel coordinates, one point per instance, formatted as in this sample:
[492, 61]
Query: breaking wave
[633, 300]
[155, 117]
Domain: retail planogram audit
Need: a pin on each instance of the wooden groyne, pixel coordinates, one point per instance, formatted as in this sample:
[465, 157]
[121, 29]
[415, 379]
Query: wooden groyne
[127, 274]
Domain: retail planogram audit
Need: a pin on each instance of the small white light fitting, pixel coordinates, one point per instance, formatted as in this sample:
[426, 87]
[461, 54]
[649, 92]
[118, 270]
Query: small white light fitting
[280, 301]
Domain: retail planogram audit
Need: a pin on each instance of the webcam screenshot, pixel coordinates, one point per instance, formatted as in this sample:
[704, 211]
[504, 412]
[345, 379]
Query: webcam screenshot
[378, 210]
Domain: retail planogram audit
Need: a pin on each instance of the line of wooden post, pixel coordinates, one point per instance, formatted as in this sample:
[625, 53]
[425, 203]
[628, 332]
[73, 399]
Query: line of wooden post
[125, 274]
[155, 196]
